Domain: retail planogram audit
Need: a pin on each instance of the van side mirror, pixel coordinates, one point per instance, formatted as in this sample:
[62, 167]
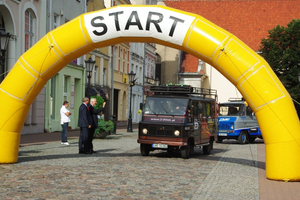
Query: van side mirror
[141, 106]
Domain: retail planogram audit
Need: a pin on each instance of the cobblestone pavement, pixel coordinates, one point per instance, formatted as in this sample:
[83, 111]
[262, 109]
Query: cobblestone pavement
[117, 171]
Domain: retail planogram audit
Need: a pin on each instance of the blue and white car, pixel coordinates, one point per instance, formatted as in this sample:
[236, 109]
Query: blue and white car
[237, 121]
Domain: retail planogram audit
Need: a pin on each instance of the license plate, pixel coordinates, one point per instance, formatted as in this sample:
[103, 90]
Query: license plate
[163, 146]
[222, 134]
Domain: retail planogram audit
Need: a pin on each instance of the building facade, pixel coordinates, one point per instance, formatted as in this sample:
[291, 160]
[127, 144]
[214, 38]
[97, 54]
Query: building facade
[248, 20]
[101, 78]
[25, 21]
[137, 55]
[69, 83]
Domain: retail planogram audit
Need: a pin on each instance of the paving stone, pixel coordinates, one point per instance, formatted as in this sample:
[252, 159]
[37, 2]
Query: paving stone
[118, 171]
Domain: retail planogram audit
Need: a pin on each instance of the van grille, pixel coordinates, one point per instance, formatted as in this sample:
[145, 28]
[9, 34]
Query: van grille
[162, 131]
[224, 126]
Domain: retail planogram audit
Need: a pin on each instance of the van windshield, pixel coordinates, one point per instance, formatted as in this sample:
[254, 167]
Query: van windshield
[232, 109]
[166, 106]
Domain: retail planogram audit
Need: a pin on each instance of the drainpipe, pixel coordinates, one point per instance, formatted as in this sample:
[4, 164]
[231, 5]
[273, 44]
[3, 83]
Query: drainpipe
[112, 79]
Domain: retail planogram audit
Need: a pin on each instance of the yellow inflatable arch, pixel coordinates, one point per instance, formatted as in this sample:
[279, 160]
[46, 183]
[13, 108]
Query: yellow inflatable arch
[191, 33]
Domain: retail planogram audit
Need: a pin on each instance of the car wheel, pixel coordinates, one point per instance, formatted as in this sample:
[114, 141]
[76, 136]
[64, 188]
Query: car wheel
[185, 151]
[170, 149]
[207, 149]
[219, 140]
[251, 139]
[145, 149]
[243, 138]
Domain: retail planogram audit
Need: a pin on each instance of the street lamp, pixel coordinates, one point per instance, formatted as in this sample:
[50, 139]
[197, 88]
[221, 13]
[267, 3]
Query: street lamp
[299, 77]
[4, 38]
[89, 64]
[131, 76]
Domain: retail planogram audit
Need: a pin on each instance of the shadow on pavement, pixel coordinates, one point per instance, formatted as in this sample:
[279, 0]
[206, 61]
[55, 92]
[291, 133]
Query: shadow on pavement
[153, 154]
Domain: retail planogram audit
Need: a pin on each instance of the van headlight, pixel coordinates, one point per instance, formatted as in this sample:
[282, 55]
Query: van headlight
[145, 131]
[176, 133]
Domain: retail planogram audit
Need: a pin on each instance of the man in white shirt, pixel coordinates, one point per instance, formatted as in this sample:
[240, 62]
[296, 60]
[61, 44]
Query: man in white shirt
[64, 121]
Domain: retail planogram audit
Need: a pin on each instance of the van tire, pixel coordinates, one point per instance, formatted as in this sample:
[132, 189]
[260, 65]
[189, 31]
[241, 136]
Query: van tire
[145, 149]
[170, 149]
[207, 149]
[251, 139]
[185, 151]
[192, 149]
[243, 137]
[219, 140]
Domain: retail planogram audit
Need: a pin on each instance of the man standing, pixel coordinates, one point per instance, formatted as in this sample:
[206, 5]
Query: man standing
[64, 121]
[94, 112]
[85, 123]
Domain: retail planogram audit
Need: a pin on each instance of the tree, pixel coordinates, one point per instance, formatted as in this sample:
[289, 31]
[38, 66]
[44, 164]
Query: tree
[100, 101]
[281, 49]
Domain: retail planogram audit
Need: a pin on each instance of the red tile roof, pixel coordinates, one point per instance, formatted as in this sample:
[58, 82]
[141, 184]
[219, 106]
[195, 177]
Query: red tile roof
[249, 20]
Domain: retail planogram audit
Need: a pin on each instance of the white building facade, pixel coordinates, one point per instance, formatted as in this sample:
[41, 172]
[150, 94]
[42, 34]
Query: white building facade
[137, 54]
[25, 20]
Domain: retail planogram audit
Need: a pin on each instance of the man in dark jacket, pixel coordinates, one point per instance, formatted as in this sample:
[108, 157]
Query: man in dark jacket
[94, 114]
[85, 123]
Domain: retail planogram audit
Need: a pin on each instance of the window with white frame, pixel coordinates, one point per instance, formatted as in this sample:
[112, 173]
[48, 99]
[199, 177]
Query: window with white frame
[104, 76]
[30, 20]
[153, 69]
[141, 74]
[56, 21]
[66, 85]
[137, 73]
[53, 96]
[96, 75]
[30, 32]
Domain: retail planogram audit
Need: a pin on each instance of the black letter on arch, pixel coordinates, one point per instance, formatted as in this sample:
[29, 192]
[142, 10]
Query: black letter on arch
[174, 24]
[95, 24]
[137, 23]
[116, 14]
[155, 22]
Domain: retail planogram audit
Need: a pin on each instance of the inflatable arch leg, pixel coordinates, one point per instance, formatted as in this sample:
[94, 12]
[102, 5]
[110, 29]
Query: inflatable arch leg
[249, 72]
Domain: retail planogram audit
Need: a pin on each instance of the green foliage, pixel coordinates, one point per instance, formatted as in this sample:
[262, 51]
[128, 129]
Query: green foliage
[100, 101]
[281, 49]
[104, 126]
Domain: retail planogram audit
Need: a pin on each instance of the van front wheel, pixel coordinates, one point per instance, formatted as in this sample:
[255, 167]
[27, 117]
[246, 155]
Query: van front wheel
[185, 151]
[145, 149]
[207, 149]
[243, 137]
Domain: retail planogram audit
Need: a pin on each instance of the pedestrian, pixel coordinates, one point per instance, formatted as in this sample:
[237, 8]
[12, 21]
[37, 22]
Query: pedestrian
[85, 123]
[64, 121]
[94, 114]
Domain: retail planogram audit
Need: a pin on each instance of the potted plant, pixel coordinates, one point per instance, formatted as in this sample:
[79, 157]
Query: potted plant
[104, 127]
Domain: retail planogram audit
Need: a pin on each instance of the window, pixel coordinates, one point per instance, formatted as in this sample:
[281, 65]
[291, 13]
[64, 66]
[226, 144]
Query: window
[137, 73]
[120, 60]
[53, 97]
[29, 29]
[29, 33]
[56, 21]
[66, 87]
[95, 75]
[104, 76]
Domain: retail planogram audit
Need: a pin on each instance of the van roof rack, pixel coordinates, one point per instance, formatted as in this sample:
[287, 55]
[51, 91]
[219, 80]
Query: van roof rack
[182, 89]
[233, 99]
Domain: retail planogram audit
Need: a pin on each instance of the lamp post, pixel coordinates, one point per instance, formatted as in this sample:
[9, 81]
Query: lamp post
[4, 38]
[89, 69]
[299, 77]
[131, 76]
